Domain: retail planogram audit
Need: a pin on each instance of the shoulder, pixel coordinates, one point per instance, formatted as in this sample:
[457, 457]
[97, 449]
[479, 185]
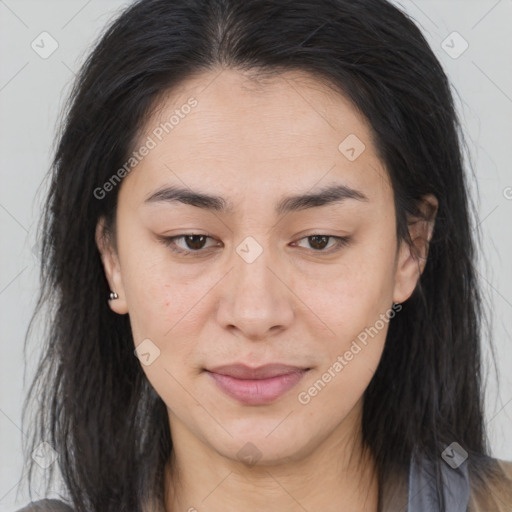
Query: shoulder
[494, 492]
[506, 467]
[46, 506]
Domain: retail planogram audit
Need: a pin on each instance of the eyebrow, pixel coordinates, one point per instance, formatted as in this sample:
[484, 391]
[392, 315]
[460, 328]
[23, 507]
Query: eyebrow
[335, 193]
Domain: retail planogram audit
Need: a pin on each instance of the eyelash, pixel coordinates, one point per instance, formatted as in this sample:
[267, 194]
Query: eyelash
[340, 242]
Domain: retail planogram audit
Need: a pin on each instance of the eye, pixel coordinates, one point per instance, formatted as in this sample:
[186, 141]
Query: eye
[319, 242]
[193, 243]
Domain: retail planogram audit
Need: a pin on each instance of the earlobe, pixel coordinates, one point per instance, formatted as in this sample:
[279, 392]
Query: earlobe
[413, 254]
[112, 269]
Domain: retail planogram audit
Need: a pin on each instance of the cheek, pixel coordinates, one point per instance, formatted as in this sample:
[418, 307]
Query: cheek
[350, 357]
[161, 309]
[356, 291]
[357, 307]
[157, 291]
[169, 307]
[345, 293]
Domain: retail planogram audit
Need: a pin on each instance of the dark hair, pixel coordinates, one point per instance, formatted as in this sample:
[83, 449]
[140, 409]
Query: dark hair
[96, 407]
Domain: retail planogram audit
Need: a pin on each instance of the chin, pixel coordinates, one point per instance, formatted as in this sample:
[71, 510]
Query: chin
[255, 447]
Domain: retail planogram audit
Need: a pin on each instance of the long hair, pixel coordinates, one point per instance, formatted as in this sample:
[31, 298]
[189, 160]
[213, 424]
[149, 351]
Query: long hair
[95, 406]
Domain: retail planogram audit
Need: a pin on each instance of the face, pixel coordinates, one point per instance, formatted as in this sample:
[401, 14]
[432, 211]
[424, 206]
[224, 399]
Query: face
[265, 279]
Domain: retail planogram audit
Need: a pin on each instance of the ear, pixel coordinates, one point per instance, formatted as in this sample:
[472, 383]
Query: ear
[412, 255]
[112, 267]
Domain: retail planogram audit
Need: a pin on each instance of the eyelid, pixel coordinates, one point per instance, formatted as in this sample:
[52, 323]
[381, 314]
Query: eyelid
[169, 241]
[340, 242]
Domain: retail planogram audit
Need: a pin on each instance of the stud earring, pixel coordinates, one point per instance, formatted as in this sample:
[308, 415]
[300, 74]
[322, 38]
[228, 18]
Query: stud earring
[113, 296]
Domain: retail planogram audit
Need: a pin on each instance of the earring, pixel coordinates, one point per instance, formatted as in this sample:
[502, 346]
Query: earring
[113, 296]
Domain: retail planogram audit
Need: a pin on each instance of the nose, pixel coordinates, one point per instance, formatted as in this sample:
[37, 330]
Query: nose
[256, 301]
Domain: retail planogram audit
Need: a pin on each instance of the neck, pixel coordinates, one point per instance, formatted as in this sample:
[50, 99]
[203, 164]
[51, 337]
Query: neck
[338, 475]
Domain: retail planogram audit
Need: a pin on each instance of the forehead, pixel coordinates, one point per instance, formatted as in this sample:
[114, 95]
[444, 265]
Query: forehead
[225, 129]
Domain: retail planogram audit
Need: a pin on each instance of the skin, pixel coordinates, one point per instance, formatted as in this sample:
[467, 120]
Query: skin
[253, 143]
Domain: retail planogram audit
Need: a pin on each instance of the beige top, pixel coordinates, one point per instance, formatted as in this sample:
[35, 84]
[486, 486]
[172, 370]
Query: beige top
[500, 500]
[497, 499]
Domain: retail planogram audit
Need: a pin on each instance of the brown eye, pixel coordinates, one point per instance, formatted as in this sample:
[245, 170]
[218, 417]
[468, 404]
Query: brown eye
[194, 242]
[191, 243]
[320, 242]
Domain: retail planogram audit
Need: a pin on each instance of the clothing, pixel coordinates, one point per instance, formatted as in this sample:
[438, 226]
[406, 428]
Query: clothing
[422, 492]
[416, 495]
[46, 506]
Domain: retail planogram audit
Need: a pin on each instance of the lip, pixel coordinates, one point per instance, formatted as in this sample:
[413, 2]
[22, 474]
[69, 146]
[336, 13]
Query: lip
[256, 386]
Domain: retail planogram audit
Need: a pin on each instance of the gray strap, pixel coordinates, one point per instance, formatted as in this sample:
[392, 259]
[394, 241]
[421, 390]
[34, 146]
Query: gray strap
[422, 487]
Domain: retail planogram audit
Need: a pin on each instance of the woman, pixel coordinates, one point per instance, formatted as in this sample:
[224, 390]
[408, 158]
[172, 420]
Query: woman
[265, 203]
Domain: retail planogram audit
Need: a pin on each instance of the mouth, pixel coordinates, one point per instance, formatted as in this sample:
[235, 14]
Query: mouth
[256, 386]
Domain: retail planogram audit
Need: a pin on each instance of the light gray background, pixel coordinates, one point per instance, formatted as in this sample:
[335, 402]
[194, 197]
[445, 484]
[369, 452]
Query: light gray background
[32, 91]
